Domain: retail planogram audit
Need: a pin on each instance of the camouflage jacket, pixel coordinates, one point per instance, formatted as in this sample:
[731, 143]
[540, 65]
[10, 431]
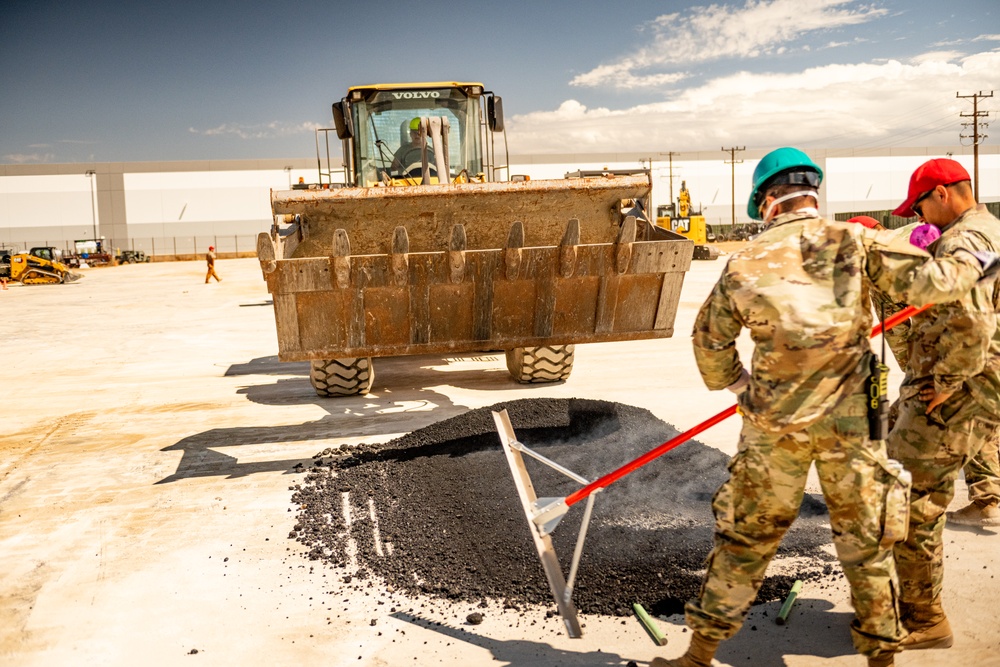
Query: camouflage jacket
[897, 338]
[957, 343]
[799, 289]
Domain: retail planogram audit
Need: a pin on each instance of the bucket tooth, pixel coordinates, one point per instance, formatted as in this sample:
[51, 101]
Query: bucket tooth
[399, 257]
[623, 248]
[567, 248]
[456, 253]
[512, 253]
[342, 258]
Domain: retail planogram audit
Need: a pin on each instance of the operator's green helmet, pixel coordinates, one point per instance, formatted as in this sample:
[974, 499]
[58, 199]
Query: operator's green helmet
[415, 124]
[780, 166]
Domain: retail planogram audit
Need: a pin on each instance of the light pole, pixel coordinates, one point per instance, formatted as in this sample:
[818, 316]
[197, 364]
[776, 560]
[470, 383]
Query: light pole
[93, 209]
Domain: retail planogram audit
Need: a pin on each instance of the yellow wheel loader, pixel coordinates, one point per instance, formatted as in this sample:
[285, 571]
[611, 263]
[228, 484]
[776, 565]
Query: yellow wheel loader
[40, 266]
[681, 218]
[425, 247]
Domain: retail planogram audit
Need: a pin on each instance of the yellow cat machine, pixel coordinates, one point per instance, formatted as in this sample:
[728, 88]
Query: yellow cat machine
[40, 266]
[426, 247]
[680, 218]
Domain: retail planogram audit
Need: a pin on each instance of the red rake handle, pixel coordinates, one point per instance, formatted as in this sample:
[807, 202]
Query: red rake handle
[648, 456]
[901, 316]
[631, 466]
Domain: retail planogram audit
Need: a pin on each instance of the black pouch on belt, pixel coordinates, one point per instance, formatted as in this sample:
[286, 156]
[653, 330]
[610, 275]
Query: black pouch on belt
[878, 399]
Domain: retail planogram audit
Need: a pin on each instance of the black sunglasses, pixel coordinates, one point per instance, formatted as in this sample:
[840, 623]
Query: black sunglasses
[915, 207]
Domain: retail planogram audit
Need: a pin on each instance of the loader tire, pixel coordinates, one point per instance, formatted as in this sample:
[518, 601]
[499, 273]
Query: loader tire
[342, 377]
[550, 363]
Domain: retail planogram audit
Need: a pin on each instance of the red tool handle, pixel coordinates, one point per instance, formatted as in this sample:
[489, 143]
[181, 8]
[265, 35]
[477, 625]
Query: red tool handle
[648, 456]
[631, 466]
[899, 317]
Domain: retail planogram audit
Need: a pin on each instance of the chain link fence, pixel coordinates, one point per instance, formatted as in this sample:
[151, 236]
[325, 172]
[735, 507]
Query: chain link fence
[161, 248]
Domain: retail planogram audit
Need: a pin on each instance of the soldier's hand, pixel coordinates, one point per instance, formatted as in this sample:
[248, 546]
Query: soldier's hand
[934, 398]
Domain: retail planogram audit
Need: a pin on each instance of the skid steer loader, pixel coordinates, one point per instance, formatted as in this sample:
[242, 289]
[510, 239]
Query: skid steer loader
[425, 247]
[40, 266]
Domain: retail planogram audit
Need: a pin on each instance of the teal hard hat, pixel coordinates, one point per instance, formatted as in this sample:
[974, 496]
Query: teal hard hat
[782, 165]
[415, 124]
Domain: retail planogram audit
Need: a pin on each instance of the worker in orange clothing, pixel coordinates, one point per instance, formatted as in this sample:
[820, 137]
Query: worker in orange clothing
[210, 260]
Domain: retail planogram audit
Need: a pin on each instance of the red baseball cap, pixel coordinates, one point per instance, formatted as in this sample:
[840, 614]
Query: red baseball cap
[868, 222]
[929, 175]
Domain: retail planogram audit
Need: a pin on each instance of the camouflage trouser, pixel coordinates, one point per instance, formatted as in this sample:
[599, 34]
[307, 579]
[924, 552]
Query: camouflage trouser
[982, 473]
[757, 504]
[933, 448]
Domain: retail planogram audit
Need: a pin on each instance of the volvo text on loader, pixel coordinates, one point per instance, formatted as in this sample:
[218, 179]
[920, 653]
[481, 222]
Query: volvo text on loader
[425, 247]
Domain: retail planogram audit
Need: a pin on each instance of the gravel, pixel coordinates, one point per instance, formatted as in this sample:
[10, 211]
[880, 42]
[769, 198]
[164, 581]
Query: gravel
[436, 513]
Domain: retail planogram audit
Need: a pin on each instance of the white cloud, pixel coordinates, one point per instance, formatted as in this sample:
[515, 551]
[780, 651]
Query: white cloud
[717, 32]
[851, 105]
[937, 56]
[987, 38]
[29, 158]
[270, 130]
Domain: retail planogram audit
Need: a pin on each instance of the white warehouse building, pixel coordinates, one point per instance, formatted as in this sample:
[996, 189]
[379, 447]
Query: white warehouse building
[180, 208]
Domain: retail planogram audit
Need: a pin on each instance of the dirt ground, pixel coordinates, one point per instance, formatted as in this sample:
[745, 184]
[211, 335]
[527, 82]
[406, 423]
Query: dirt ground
[152, 442]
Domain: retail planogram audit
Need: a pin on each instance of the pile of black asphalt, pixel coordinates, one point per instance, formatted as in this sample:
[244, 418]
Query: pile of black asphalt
[448, 522]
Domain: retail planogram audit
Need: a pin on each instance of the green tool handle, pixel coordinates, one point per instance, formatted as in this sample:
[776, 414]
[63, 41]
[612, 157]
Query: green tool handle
[789, 601]
[650, 626]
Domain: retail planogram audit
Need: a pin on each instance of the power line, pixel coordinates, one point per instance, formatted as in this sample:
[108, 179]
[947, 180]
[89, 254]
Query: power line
[922, 111]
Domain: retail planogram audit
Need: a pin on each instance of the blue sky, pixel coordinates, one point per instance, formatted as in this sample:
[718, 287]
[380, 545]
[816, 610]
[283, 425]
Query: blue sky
[115, 81]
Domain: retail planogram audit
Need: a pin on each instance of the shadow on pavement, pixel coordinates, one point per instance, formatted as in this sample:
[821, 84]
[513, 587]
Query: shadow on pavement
[403, 400]
[520, 652]
[812, 629]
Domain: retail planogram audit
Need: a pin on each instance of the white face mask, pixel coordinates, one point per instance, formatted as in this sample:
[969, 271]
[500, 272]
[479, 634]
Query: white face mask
[784, 198]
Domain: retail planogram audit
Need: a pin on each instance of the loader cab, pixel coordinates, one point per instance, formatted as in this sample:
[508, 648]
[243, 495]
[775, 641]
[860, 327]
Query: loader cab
[377, 122]
[49, 254]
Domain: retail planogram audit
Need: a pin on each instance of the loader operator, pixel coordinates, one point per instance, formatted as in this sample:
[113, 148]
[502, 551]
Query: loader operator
[410, 154]
[798, 288]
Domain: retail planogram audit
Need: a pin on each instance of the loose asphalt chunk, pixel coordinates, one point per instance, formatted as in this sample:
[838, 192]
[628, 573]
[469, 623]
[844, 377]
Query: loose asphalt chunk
[435, 512]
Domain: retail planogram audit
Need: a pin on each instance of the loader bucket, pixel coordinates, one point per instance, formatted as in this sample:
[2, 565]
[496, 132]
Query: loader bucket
[486, 210]
[390, 271]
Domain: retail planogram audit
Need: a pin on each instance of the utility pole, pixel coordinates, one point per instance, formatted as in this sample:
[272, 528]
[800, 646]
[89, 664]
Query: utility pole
[93, 210]
[670, 173]
[646, 204]
[733, 161]
[975, 136]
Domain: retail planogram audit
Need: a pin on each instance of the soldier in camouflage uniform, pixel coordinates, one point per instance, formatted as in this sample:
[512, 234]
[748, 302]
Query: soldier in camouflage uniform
[949, 404]
[798, 287]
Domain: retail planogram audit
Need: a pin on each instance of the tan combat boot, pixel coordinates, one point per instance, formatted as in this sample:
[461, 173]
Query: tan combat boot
[975, 514]
[928, 627]
[699, 654]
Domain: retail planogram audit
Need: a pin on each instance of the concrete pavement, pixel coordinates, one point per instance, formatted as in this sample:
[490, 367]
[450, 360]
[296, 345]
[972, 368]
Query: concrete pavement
[151, 439]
